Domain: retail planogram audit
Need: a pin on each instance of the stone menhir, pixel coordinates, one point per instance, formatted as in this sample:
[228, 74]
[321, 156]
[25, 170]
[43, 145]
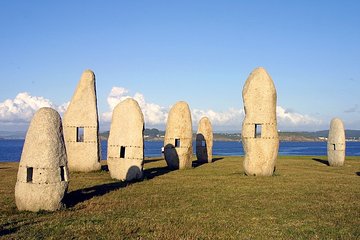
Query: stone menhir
[259, 130]
[204, 140]
[81, 127]
[126, 141]
[336, 143]
[178, 137]
[42, 178]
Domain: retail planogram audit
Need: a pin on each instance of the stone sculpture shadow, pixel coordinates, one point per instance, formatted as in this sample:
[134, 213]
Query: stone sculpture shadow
[201, 151]
[321, 161]
[81, 195]
[5, 230]
[153, 160]
[217, 159]
[358, 173]
[135, 174]
[171, 157]
[155, 172]
[198, 163]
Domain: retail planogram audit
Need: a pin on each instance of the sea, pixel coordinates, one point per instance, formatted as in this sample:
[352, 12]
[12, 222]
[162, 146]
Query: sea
[10, 150]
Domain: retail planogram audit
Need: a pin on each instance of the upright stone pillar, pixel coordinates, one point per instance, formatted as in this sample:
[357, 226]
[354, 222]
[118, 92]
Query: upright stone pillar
[178, 137]
[336, 143]
[204, 140]
[81, 127]
[42, 178]
[259, 130]
[126, 141]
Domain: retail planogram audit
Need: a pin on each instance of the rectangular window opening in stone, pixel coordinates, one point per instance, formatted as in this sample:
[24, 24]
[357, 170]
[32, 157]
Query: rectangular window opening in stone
[122, 152]
[203, 143]
[177, 142]
[63, 174]
[334, 146]
[257, 131]
[80, 134]
[29, 174]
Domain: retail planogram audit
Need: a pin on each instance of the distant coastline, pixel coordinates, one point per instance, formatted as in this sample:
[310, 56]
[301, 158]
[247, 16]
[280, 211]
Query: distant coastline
[158, 135]
[319, 136]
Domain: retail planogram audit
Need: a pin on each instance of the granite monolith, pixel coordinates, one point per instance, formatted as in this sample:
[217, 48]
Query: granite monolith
[259, 129]
[178, 137]
[204, 140]
[42, 178]
[81, 127]
[336, 143]
[126, 141]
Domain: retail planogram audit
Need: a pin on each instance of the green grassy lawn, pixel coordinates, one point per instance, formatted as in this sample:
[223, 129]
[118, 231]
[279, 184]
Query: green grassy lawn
[305, 199]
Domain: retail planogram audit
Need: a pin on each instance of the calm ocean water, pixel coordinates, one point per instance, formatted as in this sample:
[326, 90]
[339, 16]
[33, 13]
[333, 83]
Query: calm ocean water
[10, 150]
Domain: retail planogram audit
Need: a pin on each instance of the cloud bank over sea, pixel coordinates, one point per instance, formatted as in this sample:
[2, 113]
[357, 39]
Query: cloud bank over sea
[19, 111]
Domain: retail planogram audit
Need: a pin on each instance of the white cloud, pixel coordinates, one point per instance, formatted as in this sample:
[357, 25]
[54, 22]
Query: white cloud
[154, 114]
[117, 94]
[232, 117]
[295, 121]
[62, 108]
[22, 108]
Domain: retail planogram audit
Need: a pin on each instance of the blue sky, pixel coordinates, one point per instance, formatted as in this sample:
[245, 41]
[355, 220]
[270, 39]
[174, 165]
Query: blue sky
[197, 51]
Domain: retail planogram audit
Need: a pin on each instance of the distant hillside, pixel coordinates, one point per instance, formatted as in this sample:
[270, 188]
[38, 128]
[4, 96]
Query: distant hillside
[149, 134]
[348, 133]
[298, 137]
[158, 135]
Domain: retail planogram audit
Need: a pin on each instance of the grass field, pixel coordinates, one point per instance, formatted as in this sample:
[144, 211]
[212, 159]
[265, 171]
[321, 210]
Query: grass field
[305, 199]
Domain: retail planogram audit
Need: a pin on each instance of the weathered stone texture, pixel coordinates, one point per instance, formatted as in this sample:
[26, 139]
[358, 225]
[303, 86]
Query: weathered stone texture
[336, 143]
[178, 137]
[126, 141]
[259, 96]
[82, 114]
[42, 179]
[204, 140]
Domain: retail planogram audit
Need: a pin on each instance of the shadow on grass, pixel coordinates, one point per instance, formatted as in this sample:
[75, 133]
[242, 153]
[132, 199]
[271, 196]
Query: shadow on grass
[5, 229]
[81, 195]
[358, 173]
[198, 163]
[153, 160]
[4, 168]
[217, 159]
[73, 198]
[155, 172]
[321, 161]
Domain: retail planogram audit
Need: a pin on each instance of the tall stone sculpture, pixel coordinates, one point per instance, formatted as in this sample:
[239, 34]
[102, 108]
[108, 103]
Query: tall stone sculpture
[126, 141]
[42, 178]
[336, 143]
[178, 137]
[259, 130]
[204, 140]
[81, 127]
